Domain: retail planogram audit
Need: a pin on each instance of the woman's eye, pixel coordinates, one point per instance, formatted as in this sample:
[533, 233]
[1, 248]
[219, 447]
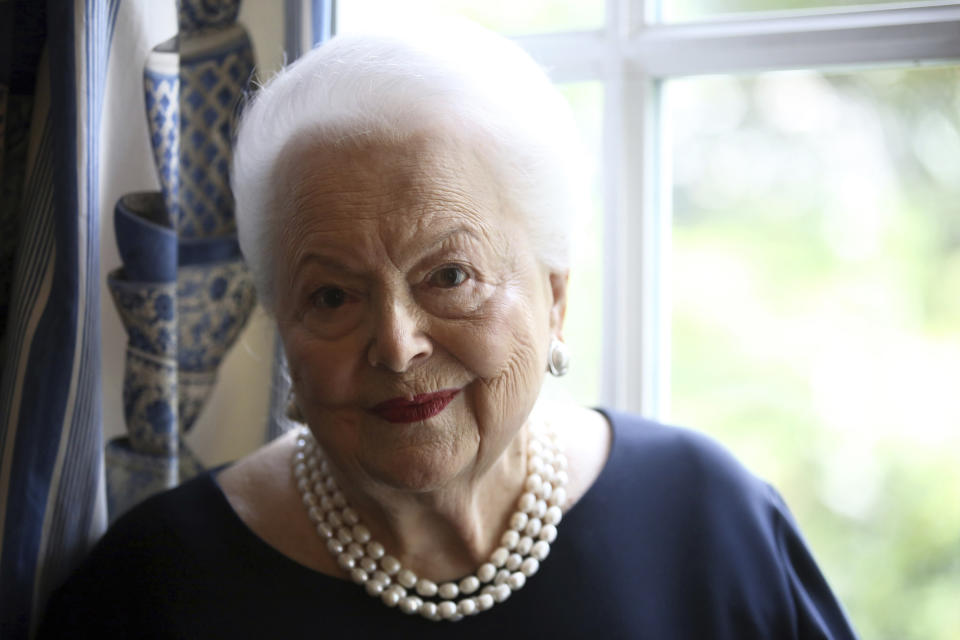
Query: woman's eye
[329, 298]
[448, 277]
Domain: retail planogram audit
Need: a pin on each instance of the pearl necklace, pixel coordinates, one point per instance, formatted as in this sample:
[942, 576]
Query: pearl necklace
[523, 546]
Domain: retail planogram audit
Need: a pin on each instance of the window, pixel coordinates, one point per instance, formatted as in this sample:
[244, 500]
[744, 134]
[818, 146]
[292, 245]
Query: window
[815, 321]
[775, 257]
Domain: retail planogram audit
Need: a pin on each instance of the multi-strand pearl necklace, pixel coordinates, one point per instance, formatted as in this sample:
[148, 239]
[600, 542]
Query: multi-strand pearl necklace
[523, 546]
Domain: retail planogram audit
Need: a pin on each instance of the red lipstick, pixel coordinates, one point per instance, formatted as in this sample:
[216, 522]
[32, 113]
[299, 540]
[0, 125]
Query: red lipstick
[420, 407]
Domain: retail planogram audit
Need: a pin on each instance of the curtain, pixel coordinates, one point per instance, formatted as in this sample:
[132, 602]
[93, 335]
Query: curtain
[115, 124]
[50, 408]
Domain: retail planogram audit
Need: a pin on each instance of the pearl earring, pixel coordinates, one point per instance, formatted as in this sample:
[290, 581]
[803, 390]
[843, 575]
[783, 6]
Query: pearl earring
[558, 358]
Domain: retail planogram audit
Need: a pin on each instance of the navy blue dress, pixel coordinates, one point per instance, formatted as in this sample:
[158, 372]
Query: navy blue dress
[674, 540]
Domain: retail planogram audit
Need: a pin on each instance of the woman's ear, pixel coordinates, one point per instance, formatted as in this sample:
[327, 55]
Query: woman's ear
[558, 307]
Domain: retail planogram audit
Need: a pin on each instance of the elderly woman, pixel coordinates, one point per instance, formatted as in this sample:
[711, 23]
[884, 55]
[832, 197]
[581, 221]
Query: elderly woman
[405, 205]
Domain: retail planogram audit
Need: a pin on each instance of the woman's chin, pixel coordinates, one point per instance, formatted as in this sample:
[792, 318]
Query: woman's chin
[417, 469]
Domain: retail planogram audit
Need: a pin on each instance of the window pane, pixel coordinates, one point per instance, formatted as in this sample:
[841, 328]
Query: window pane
[680, 10]
[816, 316]
[505, 16]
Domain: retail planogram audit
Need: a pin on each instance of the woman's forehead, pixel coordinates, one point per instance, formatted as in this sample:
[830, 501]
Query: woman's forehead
[398, 201]
[418, 179]
[429, 151]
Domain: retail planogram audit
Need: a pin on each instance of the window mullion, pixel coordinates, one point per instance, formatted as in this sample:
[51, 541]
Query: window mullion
[639, 231]
[636, 364]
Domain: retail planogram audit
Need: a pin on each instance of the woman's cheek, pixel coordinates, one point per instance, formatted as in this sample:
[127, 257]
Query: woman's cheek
[526, 332]
[503, 344]
[321, 370]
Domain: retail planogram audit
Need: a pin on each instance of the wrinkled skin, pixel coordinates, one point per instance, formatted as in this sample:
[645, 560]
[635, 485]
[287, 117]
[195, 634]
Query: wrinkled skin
[401, 271]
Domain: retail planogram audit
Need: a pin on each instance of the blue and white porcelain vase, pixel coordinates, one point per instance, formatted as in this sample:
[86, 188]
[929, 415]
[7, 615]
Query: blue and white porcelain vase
[215, 291]
[183, 293]
[144, 291]
[215, 301]
[161, 88]
[216, 63]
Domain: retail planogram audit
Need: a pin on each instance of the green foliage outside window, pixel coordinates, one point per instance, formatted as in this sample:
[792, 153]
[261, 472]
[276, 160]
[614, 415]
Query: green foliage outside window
[816, 325]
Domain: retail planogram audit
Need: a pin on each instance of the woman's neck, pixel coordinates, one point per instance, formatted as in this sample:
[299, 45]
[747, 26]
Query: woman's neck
[439, 536]
[446, 533]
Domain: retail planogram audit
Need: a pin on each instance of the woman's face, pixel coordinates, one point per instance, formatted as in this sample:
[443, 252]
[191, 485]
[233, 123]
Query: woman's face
[415, 316]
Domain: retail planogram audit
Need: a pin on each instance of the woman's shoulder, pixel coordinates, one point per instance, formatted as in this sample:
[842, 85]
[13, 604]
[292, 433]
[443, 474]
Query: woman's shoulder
[707, 531]
[616, 455]
[168, 507]
[145, 563]
[169, 521]
[664, 453]
[188, 523]
[689, 495]
[647, 436]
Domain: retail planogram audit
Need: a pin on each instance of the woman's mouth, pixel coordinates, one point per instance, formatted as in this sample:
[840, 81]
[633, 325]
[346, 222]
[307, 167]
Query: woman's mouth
[420, 407]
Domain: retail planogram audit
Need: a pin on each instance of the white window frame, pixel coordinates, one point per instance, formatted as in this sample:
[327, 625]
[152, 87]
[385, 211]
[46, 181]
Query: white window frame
[632, 55]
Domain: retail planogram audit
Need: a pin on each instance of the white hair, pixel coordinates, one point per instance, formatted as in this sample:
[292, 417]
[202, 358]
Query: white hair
[384, 89]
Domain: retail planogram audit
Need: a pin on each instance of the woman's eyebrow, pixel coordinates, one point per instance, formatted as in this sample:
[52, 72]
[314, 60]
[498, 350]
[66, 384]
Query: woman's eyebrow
[452, 233]
[440, 242]
[327, 262]
[333, 264]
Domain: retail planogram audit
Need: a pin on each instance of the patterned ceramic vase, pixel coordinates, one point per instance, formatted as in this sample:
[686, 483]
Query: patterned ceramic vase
[161, 85]
[183, 293]
[215, 291]
[215, 66]
[215, 301]
[144, 291]
[203, 15]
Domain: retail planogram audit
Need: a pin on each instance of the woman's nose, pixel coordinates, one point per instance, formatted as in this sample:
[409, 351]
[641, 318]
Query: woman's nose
[399, 338]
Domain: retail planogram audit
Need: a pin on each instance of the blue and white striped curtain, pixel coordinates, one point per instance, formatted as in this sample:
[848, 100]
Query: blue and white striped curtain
[50, 398]
[88, 143]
